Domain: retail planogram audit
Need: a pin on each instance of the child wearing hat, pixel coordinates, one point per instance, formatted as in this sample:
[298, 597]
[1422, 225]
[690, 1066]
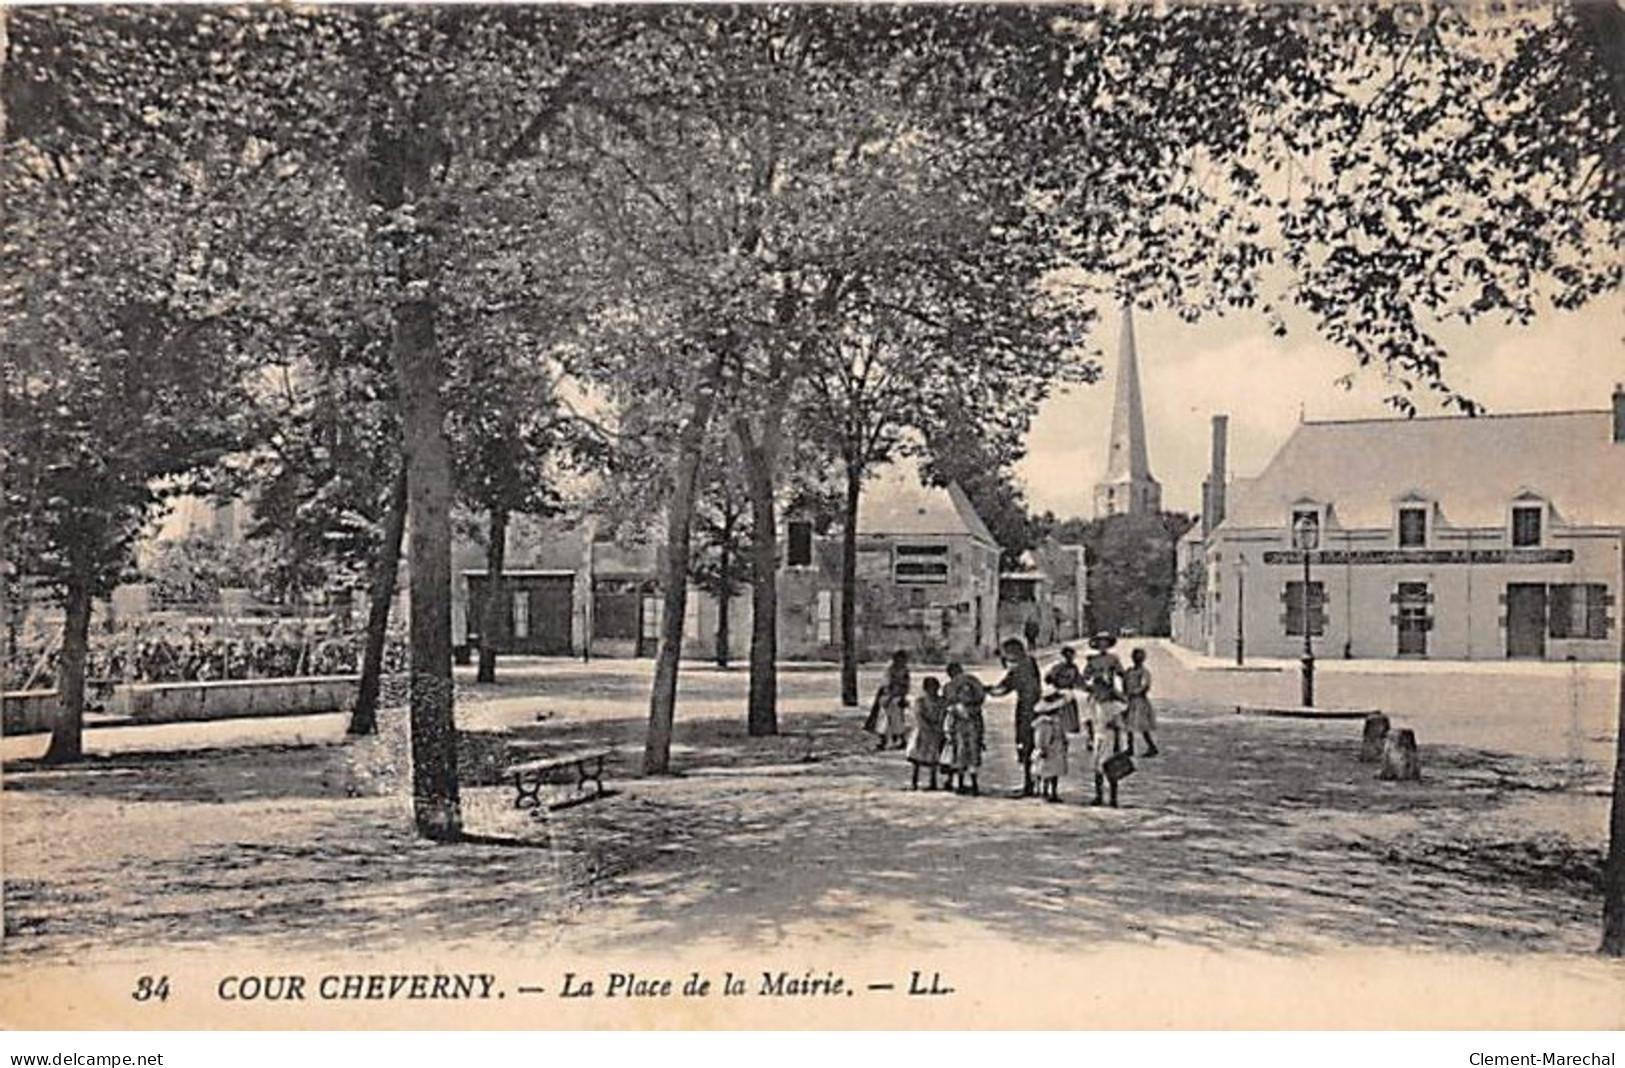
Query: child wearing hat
[1049, 744]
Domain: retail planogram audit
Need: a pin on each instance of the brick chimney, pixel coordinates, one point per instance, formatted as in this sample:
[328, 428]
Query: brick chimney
[1213, 488]
[1619, 412]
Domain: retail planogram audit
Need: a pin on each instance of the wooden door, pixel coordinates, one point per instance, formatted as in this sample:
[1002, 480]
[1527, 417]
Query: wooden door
[552, 606]
[1411, 619]
[1526, 620]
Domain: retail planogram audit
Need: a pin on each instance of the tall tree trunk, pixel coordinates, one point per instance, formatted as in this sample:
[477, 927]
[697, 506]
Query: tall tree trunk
[674, 573]
[1613, 883]
[67, 729]
[385, 571]
[396, 168]
[725, 589]
[761, 714]
[492, 621]
[849, 586]
[436, 809]
[724, 600]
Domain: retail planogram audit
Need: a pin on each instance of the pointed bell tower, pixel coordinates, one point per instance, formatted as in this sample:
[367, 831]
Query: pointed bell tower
[1128, 488]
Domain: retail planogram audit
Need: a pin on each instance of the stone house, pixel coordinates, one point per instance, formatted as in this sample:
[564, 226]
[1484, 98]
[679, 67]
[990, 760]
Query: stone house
[1451, 538]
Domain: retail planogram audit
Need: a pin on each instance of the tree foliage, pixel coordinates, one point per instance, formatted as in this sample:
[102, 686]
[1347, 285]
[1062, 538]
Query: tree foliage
[1132, 568]
[700, 208]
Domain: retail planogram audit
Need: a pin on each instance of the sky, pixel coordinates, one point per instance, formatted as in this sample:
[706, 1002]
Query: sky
[1234, 366]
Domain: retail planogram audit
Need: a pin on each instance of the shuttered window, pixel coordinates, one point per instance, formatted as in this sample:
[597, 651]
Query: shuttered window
[920, 564]
[1577, 610]
[1292, 600]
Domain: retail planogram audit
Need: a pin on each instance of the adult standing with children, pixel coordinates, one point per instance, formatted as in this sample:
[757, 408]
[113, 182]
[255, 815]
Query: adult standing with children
[1022, 679]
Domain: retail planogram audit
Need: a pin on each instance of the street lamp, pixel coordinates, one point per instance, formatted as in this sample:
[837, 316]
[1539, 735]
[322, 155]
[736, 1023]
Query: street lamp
[1305, 538]
[1241, 610]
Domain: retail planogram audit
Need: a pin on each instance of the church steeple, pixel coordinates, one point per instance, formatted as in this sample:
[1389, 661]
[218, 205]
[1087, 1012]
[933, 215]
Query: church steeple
[1128, 487]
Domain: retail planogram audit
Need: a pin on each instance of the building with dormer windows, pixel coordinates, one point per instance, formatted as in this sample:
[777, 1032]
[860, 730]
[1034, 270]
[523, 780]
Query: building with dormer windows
[1451, 538]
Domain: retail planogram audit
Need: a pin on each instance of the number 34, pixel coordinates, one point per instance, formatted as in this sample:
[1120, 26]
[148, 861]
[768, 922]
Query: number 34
[149, 987]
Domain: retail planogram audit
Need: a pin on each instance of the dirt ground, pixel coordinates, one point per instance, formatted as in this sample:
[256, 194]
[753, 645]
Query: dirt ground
[1246, 833]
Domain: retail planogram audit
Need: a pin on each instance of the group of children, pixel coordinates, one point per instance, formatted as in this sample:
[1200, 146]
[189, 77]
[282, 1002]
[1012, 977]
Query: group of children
[947, 734]
[1101, 699]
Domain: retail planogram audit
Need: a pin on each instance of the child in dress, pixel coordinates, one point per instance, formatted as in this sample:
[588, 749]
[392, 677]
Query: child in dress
[964, 696]
[1049, 742]
[1067, 679]
[1100, 675]
[925, 742]
[1101, 734]
[1139, 716]
[887, 716]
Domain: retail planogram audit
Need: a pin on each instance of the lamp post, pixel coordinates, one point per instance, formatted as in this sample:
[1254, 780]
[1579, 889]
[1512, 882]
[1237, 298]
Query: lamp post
[1306, 537]
[1241, 610]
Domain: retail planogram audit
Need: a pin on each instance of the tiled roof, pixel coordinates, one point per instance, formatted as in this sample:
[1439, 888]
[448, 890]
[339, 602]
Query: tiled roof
[896, 503]
[1471, 467]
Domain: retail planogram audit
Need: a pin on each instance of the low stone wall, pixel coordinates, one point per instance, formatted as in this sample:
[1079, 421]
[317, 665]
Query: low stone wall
[26, 711]
[182, 702]
[30, 711]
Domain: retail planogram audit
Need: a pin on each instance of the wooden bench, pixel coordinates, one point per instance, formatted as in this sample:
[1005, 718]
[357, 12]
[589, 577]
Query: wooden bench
[530, 776]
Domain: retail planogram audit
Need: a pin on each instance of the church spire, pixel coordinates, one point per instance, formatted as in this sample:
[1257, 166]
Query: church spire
[1128, 486]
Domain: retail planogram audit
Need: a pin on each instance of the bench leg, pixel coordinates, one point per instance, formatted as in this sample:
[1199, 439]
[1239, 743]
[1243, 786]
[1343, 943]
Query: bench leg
[529, 791]
[594, 776]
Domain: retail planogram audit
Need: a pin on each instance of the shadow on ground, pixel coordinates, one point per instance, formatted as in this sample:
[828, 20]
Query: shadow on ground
[1245, 833]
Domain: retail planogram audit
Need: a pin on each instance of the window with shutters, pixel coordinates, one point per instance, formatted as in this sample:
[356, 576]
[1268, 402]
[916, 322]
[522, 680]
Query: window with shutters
[920, 564]
[1293, 600]
[1577, 610]
[1598, 600]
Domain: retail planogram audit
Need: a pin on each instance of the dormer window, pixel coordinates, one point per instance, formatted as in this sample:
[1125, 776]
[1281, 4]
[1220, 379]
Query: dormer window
[1412, 526]
[1304, 525]
[1527, 521]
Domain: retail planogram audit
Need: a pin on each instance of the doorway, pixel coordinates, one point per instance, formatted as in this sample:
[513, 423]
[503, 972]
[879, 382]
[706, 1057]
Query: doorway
[1411, 620]
[1526, 620]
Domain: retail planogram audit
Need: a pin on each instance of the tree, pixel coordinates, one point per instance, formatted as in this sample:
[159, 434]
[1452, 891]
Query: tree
[436, 122]
[328, 487]
[512, 442]
[319, 481]
[722, 528]
[659, 455]
[914, 359]
[1382, 170]
[132, 408]
[120, 376]
[833, 204]
[380, 595]
[1132, 570]
[983, 470]
[194, 569]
